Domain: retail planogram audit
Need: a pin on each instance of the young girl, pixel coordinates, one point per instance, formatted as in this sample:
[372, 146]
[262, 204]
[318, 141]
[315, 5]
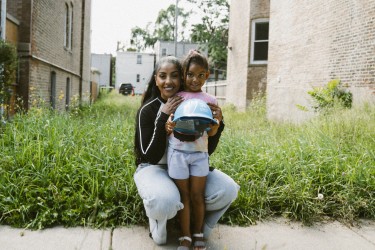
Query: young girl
[188, 162]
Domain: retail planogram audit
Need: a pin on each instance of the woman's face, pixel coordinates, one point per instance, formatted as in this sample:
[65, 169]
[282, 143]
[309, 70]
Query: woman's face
[168, 80]
[196, 76]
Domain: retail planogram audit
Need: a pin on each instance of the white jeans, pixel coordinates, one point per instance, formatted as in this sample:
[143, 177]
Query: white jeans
[161, 198]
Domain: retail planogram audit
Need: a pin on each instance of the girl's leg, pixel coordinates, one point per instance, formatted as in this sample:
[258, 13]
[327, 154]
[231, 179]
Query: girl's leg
[197, 187]
[160, 196]
[184, 214]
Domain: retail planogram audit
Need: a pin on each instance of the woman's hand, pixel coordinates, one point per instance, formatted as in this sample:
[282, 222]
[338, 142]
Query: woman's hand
[216, 111]
[171, 105]
[169, 125]
[213, 128]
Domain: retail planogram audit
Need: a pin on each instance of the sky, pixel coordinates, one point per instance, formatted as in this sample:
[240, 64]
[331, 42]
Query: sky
[112, 20]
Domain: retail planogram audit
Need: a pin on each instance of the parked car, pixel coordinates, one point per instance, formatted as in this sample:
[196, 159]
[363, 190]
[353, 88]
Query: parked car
[126, 89]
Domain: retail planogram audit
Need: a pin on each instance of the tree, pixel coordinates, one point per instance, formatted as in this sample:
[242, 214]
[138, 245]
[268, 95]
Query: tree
[8, 67]
[165, 23]
[142, 38]
[163, 29]
[213, 30]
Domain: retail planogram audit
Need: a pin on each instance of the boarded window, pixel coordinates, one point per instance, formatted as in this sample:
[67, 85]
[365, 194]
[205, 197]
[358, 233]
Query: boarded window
[67, 93]
[53, 90]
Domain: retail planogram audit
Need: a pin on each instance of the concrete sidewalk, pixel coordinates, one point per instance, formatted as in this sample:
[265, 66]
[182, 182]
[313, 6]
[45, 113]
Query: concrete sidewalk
[275, 234]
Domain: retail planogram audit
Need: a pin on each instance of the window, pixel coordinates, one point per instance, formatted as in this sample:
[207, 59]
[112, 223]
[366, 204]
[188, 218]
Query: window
[138, 77]
[259, 41]
[67, 93]
[68, 26]
[53, 90]
[163, 52]
[71, 25]
[139, 59]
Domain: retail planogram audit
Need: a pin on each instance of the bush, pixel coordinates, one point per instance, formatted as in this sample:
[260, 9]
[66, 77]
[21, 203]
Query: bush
[8, 67]
[331, 95]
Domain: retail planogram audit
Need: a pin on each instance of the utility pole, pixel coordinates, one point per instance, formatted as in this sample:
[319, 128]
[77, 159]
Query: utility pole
[175, 29]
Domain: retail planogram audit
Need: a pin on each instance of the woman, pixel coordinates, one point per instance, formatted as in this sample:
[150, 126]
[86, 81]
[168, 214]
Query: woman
[160, 195]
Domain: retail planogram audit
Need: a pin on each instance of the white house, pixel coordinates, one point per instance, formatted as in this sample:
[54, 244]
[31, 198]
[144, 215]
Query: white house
[102, 63]
[164, 48]
[135, 68]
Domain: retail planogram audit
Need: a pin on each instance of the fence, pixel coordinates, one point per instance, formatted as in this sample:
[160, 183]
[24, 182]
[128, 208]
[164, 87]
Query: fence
[217, 89]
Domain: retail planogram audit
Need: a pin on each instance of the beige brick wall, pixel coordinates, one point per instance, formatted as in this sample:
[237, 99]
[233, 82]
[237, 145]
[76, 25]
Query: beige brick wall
[40, 86]
[312, 42]
[244, 79]
[238, 54]
[48, 31]
[256, 82]
[46, 39]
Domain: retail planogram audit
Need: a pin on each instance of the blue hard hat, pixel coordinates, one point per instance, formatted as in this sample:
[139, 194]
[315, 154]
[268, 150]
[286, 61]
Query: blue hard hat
[193, 109]
[192, 117]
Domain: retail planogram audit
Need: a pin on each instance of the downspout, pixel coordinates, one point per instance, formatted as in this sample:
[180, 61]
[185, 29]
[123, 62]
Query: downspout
[3, 15]
[82, 51]
[24, 49]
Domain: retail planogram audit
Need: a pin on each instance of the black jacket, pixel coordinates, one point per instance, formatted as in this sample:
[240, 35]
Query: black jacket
[151, 137]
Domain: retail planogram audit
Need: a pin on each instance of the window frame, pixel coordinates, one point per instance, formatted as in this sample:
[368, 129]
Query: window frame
[68, 26]
[253, 41]
[139, 59]
[71, 26]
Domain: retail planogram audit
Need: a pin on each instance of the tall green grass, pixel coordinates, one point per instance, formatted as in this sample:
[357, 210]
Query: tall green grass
[71, 169]
[282, 168]
[77, 168]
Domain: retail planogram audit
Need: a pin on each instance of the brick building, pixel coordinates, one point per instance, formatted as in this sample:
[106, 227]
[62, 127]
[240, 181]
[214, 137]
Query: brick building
[308, 44]
[53, 42]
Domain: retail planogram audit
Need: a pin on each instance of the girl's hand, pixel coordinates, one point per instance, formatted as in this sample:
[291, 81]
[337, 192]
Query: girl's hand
[216, 111]
[171, 105]
[169, 125]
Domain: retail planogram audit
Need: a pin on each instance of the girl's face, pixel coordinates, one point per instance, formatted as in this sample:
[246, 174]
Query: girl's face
[196, 76]
[168, 80]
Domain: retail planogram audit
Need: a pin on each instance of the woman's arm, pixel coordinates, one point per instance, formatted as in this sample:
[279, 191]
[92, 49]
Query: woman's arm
[151, 134]
[214, 140]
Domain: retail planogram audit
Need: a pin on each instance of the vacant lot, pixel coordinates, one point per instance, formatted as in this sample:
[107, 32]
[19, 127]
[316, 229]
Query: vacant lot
[76, 168]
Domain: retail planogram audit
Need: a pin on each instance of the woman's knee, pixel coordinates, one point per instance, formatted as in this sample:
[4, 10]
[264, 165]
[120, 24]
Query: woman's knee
[162, 207]
[221, 190]
[160, 195]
